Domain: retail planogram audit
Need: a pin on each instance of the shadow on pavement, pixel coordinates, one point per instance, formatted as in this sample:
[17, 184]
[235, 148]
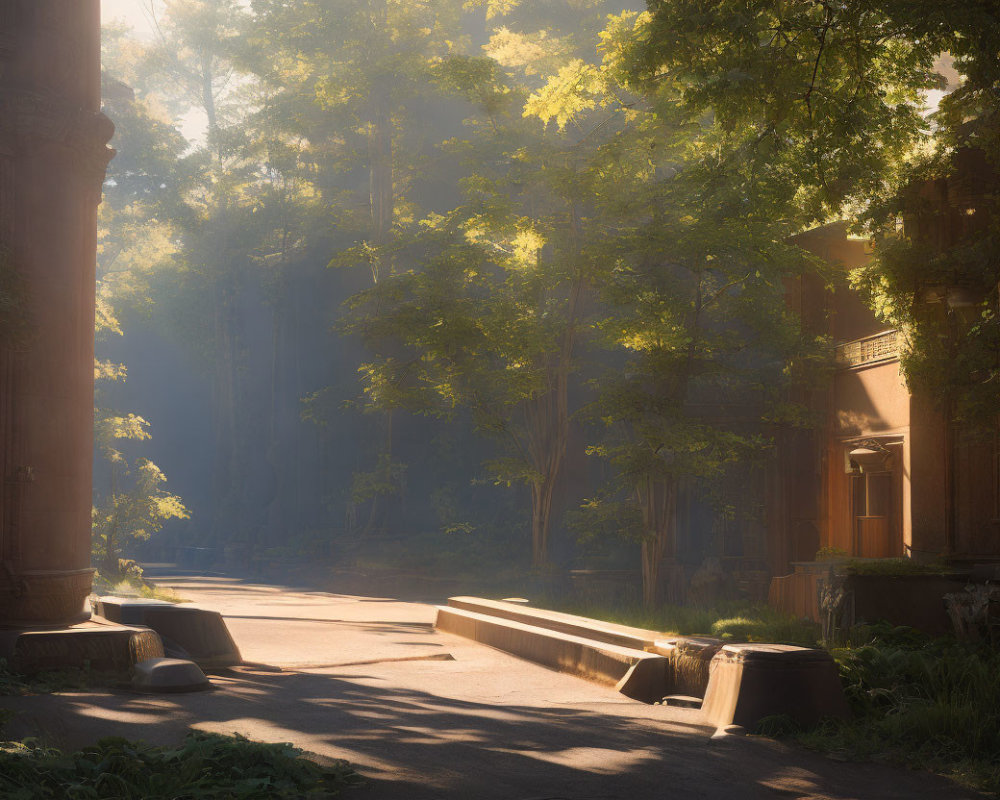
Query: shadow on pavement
[418, 745]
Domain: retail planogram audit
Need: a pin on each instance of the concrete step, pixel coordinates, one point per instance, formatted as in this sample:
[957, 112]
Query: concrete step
[637, 674]
[593, 629]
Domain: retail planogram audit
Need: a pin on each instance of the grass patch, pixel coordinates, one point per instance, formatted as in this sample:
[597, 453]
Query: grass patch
[205, 767]
[735, 623]
[133, 586]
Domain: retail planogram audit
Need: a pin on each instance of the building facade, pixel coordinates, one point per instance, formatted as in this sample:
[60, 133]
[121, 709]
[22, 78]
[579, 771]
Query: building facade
[885, 474]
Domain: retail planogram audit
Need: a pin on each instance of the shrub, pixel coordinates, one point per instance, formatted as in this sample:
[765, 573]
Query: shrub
[205, 767]
[929, 703]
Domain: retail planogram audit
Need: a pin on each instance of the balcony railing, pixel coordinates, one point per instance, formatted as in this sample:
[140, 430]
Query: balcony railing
[869, 350]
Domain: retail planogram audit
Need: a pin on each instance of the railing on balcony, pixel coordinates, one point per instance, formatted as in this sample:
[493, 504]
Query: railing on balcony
[869, 350]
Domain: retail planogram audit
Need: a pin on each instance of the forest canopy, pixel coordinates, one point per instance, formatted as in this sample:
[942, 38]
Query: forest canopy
[493, 284]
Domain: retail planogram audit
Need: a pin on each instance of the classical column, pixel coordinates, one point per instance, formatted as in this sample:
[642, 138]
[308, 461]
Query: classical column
[53, 156]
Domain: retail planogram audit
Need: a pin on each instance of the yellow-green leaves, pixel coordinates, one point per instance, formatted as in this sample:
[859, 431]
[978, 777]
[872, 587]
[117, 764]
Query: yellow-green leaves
[620, 40]
[494, 8]
[532, 53]
[574, 89]
[516, 245]
[109, 371]
[105, 320]
[121, 426]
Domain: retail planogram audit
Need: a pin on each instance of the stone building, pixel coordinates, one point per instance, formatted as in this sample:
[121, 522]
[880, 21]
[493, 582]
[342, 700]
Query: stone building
[885, 475]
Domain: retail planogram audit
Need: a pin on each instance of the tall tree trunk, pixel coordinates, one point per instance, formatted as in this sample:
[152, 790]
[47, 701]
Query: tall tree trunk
[382, 209]
[657, 495]
[547, 419]
[225, 393]
[542, 492]
[658, 500]
[208, 93]
[380, 177]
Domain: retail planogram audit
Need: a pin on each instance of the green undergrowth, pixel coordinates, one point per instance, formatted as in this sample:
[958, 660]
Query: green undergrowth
[205, 767]
[918, 701]
[735, 623]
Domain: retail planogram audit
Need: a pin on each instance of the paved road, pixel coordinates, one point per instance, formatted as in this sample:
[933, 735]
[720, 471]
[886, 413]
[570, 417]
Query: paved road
[429, 715]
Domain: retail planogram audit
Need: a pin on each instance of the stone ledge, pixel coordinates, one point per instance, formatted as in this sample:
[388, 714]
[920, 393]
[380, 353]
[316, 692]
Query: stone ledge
[635, 673]
[595, 630]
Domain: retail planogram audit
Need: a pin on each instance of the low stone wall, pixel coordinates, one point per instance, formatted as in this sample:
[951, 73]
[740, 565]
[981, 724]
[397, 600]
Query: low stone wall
[796, 594]
[916, 601]
[596, 630]
[635, 673]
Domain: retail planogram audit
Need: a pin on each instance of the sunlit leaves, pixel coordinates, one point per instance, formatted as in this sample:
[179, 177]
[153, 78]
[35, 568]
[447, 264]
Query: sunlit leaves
[135, 514]
[575, 88]
[494, 8]
[824, 97]
[109, 371]
[536, 53]
[620, 42]
[121, 426]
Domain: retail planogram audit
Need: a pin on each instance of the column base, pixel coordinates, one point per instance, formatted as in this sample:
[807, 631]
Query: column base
[45, 597]
[96, 645]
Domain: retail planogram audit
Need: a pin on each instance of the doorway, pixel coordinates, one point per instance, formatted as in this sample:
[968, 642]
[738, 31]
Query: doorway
[872, 505]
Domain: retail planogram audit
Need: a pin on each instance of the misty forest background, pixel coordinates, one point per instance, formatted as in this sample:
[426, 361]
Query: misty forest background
[486, 286]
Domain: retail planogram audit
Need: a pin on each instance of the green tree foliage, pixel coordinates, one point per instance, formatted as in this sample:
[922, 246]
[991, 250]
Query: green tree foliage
[827, 100]
[691, 293]
[936, 272]
[490, 312]
[818, 100]
[136, 242]
[527, 214]
[135, 505]
[561, 225]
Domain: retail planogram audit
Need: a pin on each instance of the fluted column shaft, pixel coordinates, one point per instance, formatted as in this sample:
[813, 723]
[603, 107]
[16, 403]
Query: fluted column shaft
[53, 156]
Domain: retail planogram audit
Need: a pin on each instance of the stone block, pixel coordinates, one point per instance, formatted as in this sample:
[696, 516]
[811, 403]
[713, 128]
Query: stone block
[751, 681]
[188, 631]
[169, 675]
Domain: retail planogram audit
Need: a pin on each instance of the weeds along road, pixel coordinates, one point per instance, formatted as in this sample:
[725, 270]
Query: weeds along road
[423, 714]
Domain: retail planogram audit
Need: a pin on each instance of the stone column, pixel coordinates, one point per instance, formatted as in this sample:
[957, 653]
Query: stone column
[53, 156]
